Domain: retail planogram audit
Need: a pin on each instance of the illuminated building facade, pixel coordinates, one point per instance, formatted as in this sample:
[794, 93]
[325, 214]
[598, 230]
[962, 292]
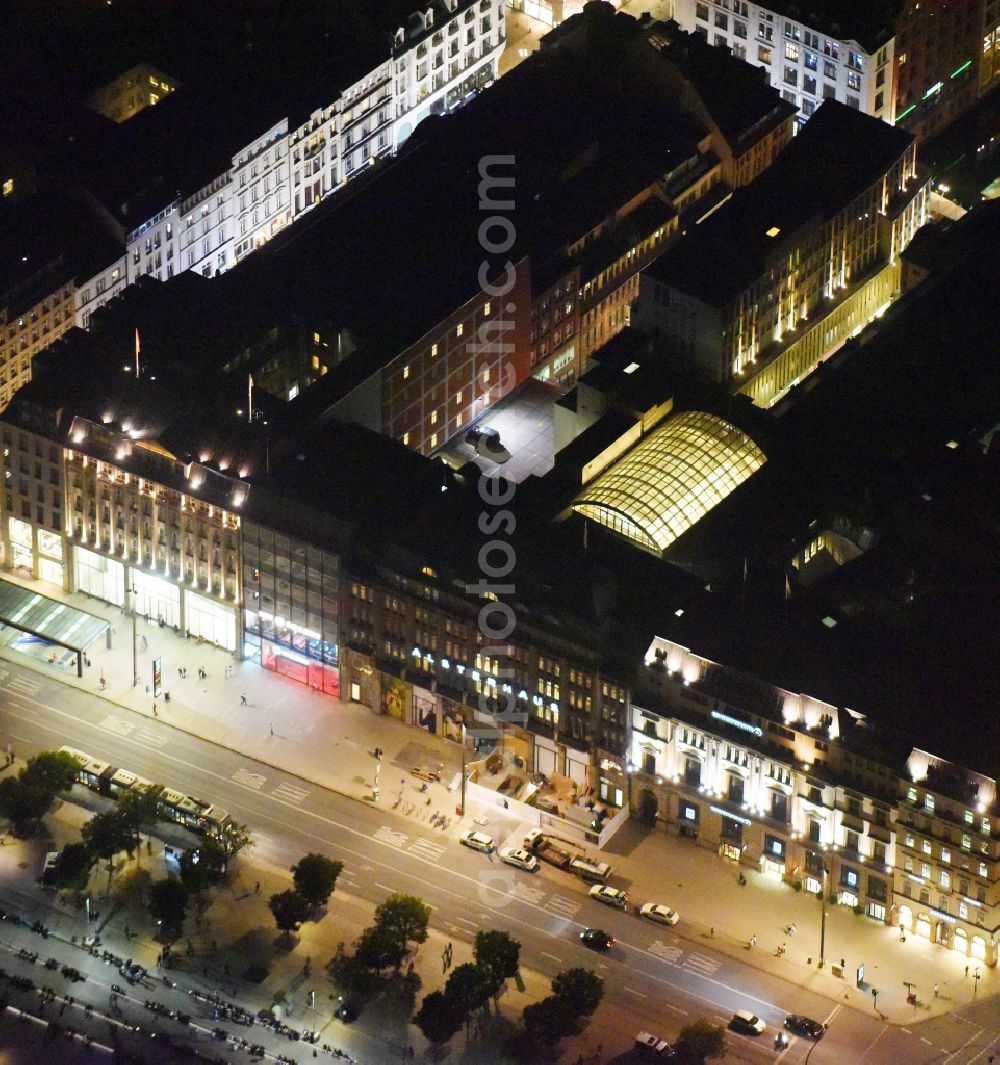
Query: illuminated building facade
[787, 248]
[810, 794]
[139, 87]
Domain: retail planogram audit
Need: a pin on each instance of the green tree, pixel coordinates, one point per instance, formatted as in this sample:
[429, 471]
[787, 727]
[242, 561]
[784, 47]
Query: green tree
[498, 953]
[439, 1017]
[315, 877]
[701, 1040]
[72, 871]
[290, 909]
[470, 988]
[404, 918]
[168, 900]
[580, 990]
[139, 807]
[233, 839]
[378, 948]
[548, 1021]
[53, 771]
[349, 973]
[106, 835]
[23, 803]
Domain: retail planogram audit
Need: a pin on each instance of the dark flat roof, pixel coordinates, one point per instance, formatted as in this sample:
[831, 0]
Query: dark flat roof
[812, 179]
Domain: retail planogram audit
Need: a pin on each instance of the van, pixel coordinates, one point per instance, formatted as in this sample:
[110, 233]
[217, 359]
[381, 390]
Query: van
[49, 868]
[591, 871]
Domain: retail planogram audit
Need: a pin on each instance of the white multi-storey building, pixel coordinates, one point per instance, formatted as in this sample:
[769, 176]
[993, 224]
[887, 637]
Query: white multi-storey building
[806, 63]
[98, 290]
[206, 228]
[262, 189]
[150, 249]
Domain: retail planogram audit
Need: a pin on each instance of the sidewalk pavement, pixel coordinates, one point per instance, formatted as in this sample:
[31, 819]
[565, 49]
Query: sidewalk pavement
[330, 743]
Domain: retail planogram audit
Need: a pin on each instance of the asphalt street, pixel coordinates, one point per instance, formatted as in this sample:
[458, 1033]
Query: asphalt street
[656, 978]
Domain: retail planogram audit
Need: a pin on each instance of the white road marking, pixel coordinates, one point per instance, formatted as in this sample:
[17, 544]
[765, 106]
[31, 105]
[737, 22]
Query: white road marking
[546, 954]
[632, 991]
[527, 893]
[662, 950]
[702, 963]
[563, 906]
[471, 924]
[290, 792]
[153, 739]
[119, 726]
[25, 685]
[427, 848]
[249, 779]
[385, 834]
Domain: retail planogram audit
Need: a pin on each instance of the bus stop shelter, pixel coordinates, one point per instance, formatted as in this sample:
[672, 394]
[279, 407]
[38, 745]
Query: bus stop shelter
[48, 619]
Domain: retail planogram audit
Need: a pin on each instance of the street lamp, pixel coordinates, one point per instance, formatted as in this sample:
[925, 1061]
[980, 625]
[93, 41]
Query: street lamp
[463, 770]
[133, 591]
[975, 987]
[822, 921]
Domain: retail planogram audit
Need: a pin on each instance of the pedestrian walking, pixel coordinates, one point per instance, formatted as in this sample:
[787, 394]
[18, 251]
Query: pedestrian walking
[936, 989]
[243, 698]
[966, 970]
[711, 932]
[256, 888]
[272, 730]
[155, 714]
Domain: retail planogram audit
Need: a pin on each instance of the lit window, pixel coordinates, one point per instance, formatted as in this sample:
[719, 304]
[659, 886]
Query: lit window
[406, 438]
[459, 329]
[486, 307]
[8, 186]
[434, 350]
[458, 421]
[406, 372]
[434, 440]
[458, 397]
[316, 339]
[434, 417]
[486, 376]
[428, 571]
[315, 362]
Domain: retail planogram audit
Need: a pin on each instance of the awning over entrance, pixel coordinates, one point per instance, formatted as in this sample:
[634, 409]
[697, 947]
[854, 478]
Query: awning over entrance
[48, 619]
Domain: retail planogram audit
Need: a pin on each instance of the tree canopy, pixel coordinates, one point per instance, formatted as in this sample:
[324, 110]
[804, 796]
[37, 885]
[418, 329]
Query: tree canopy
[290, 909]
[168, 900]
[439, 1017]
[701, 1040]
[404, 919]
[580, 991]
[315, 877]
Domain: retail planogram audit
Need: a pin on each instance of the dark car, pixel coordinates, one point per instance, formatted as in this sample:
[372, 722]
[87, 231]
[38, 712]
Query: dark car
[346, 1012]
[596, 939]
[804, 1026]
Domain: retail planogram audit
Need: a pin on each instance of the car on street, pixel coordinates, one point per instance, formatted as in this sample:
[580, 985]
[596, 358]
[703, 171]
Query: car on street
[746, 1022]
[806, 1026]
[596, 939]
[653, 1046]
[478, 841]
[610, 896]
[655, 911]
[519, 858]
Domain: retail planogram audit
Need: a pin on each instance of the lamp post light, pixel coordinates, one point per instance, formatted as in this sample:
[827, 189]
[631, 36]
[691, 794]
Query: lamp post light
[822, 921]
[976, 976]
[133, 591]
[463, 770]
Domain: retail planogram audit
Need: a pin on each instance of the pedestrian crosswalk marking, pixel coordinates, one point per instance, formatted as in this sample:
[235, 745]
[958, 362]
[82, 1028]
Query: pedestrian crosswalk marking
[563, 906]
[117, 725]
[427, 848]
[664, 951]
[525, 893]
[702, 963]
[249, 779]
[25, 685]
[154, 739]
[390, 836]
[290, 792]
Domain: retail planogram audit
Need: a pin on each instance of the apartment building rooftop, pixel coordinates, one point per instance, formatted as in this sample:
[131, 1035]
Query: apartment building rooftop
[869, 22]
[838, 154]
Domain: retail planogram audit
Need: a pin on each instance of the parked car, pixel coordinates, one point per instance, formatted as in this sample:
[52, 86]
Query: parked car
[655, 911]
[746, 1022]
[596, 939]
[519, 858]
[650, 1044]
[804, 1026]
[478, 841]
[609, 896]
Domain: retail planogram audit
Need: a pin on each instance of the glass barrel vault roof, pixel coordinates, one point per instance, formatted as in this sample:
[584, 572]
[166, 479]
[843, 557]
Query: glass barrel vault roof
[671, 479]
